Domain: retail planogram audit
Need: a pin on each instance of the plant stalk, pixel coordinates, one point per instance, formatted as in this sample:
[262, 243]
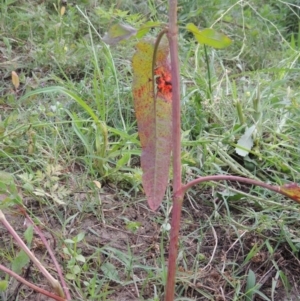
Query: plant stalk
[176, 129]
[231, 178]
[173, 248]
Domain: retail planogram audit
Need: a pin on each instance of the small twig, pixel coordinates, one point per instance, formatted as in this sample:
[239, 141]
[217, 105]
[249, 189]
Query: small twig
[31, 285]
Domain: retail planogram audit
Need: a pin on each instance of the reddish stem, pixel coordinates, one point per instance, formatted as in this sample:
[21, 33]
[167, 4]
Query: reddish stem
[231, 178]
[31, 285]
[173, 248]
[176, 148]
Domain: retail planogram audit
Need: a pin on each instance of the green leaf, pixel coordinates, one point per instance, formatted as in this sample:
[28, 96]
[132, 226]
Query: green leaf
[145, 28]
[6, 178]
[70, 276]
[133, 226]
[285, 281]
[110, 271]
[3, 285]
[28, 234]
[69, 241]
[80, 258]
[118, 32]
[8, 190]
[250, 287]
[7, 183]
[19, 262]
[76, 269]
[209, 37]
[123, 160]
[80, 237]
[153, 117]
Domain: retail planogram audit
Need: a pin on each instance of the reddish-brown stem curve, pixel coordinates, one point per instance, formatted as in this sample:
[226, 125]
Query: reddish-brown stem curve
[31, 285]
[230, 178]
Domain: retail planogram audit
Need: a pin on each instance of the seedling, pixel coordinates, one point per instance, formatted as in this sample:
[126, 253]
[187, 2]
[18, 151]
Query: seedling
[156, 90]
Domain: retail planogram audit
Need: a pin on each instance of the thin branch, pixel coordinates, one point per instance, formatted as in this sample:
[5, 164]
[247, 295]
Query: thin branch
[231, 178]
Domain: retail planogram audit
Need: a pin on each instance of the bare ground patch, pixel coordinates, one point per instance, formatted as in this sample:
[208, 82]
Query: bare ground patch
[214, 259]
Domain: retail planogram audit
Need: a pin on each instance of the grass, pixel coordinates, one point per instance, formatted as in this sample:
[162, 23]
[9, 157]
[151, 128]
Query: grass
[68, 135]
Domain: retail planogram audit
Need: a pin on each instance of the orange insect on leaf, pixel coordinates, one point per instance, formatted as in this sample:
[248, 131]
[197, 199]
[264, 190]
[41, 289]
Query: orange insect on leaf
[153, 117]
[292, 191]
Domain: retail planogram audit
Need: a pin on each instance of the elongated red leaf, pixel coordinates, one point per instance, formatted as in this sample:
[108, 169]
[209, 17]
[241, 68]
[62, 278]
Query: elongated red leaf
[292, 191]
[153, 117]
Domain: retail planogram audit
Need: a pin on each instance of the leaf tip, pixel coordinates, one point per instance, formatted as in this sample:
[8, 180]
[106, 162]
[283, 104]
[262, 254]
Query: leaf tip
[291, 190]
[153, 206]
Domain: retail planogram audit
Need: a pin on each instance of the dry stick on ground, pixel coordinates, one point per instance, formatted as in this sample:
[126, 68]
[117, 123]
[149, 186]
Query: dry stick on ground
[54, 283]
